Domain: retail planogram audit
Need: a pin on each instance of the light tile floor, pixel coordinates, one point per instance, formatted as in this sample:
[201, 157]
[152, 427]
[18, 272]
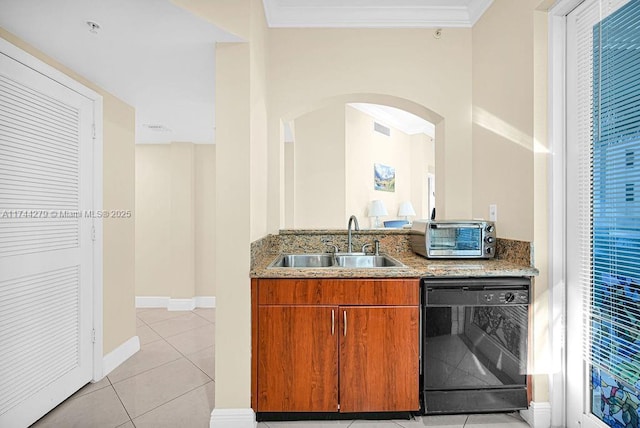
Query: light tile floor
[170, 383]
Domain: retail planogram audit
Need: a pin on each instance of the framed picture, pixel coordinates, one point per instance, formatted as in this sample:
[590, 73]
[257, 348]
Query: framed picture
[384, 177]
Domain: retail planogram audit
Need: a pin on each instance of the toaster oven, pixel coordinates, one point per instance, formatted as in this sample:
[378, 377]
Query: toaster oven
[454, 239]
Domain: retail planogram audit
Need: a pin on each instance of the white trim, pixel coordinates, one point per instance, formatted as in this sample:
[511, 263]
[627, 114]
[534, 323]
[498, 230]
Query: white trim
[98, 244]
[181, 305]
[45, 69]
[175, 304]
[538, 415]
[417, 15]
[232, 418]
[119, 355]
[41, 67]
[557, 256]
[590, 421]
[152, 302]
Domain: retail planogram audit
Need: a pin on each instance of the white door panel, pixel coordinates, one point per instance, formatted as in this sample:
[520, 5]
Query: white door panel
[46, 352]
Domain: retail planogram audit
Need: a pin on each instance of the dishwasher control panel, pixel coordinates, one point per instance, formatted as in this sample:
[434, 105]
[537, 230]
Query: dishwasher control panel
[504, 297]
[475, 292]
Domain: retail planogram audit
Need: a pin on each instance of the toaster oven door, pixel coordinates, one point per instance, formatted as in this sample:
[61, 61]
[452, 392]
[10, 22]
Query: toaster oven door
[454, 240]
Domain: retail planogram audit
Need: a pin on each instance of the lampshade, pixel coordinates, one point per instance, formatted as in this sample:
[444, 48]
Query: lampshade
[377, 208]
[406, 209]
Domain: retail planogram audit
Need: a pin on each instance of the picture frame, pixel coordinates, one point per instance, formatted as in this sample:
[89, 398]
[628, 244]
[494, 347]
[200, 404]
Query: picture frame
[384, 177]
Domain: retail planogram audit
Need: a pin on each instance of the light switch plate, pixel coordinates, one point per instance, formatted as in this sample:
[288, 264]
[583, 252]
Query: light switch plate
[493, 212]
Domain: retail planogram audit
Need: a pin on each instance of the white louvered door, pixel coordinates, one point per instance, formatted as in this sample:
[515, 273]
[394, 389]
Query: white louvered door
[46, 350]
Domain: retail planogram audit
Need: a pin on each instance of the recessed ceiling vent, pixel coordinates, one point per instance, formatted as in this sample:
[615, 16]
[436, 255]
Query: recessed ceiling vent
[157, 127]
[378, 127]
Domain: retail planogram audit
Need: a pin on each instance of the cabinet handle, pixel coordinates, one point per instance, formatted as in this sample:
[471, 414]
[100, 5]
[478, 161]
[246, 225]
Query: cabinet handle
[344, 317]
[333, 321]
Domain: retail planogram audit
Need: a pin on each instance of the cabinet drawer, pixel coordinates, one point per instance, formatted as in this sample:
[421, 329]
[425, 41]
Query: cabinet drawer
[383, 291]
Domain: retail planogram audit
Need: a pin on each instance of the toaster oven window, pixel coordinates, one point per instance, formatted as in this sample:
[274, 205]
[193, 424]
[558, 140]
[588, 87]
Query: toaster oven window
[459, 238]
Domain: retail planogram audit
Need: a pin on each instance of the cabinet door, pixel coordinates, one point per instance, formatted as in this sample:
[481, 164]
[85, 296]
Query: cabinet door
[379, 358]
[298, 359]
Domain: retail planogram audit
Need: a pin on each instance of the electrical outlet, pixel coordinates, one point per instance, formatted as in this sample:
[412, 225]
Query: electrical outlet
[493, 212]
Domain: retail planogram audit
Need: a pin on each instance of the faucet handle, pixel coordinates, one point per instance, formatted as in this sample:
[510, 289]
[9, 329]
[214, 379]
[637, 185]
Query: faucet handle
[376, 244]
[331, 244]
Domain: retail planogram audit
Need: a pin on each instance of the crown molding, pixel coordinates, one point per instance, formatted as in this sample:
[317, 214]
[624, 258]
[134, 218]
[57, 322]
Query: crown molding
[351, 14]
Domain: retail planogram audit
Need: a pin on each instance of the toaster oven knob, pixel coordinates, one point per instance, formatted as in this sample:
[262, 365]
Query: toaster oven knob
[489, 239]
[490, 228]
[489, 250]
[509, 297]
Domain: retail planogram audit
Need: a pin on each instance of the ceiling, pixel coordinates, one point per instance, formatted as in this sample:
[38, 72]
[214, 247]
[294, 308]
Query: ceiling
[160, 58]
[406, 122]
[374, 13]
[152, 54]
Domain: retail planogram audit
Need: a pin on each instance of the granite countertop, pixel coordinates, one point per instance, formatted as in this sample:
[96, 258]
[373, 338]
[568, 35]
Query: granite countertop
[416, 266]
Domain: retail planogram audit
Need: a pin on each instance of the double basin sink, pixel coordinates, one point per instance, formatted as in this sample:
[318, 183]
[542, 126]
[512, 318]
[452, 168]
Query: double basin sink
[337, 260]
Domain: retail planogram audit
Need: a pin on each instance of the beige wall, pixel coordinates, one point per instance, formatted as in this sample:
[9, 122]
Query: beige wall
[331, 171]
[289, 184]
[409, 69]
[503, 116]
[153, 220]
[541, 365]
[182, 221]
[205, 219]
[422, 162]
[319, 169]
[118, 193]
[175, 222]
[509, 140]
[363, 148]
[241, 199]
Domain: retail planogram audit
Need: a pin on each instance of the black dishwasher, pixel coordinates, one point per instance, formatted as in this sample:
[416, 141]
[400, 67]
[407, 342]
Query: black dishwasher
[474, 344]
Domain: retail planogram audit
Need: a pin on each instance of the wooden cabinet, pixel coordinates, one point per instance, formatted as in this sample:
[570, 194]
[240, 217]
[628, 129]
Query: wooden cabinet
[311, 335]
[298, 365]
[379, 359]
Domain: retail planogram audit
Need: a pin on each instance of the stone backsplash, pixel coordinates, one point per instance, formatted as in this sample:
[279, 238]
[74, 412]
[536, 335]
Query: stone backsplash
[393, 241]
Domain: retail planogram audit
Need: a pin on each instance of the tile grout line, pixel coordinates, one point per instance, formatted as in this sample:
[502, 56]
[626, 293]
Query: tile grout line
[189, 359]
[122, 404]
[209, 321]
[167, 402]
[144, 371]
[190, 329]
[184, 355]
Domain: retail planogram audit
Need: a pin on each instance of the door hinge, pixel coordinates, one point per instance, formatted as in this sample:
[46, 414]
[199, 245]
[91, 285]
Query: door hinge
[93, 336]
[93, 232]
[93, 131]
[338, 406]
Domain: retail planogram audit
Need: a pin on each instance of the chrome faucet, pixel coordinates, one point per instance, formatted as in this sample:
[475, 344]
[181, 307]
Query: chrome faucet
[352, 219]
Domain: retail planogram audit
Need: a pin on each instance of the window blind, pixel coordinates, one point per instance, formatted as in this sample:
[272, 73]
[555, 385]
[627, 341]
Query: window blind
[608, 35]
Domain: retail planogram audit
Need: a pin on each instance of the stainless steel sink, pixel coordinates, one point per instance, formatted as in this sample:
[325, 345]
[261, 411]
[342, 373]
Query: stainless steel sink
[367, 261]
[303, 260]
[339, 260]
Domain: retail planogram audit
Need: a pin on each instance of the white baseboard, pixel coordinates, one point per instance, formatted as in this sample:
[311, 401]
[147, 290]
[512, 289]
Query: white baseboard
[538, 415]
[232, 418]
[181, 305]
[175, 304]
[119, 355]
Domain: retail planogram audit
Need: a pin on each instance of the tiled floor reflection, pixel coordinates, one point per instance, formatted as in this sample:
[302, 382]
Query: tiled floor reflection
[170, 383]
